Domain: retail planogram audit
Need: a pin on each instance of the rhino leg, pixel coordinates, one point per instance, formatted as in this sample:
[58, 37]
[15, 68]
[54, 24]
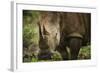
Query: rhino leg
[74, 45]
[62, 49]
[63, 52]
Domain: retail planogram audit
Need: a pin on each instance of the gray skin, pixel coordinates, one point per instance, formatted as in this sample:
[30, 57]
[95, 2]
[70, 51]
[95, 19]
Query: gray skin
[74, 33]
[49, 34]
[61, 30]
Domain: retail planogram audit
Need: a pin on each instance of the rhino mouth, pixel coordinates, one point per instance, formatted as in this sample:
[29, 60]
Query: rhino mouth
[45, 56]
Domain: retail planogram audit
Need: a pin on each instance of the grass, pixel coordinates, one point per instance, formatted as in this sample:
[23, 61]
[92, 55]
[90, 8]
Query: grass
[84, 54]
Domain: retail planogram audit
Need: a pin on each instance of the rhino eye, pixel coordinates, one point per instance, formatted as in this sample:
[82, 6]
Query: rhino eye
[56, 34]
[46, 33]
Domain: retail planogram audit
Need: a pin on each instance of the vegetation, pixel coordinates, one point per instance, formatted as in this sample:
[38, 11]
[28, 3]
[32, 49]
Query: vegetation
[31, 36]
[85, 52]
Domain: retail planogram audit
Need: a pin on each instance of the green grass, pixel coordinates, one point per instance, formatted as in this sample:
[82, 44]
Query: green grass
[84, 54]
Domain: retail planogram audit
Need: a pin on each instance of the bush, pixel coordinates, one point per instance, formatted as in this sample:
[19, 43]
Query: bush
[85, 52]
[27, 36]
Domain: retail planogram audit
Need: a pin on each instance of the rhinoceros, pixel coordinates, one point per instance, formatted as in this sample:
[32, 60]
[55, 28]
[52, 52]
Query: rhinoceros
[59, 30]
[49, 33]
[74, 33]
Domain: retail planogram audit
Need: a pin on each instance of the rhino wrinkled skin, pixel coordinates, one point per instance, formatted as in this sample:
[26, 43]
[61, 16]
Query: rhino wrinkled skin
[59, 30]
